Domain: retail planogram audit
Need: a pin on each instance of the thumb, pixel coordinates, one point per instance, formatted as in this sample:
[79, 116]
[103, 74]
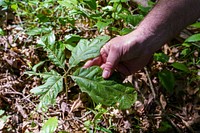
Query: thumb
[111, 62]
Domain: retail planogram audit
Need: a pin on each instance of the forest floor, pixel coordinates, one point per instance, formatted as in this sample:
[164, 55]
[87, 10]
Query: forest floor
[154, 111]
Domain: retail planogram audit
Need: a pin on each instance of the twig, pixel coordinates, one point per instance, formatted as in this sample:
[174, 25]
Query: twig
[18, 93]
[8, 43]
[20, 109]
[150, 83]
[185, 123]
[10, 93]
[54, 114]
[188, 126]
[20, 21]
[87, 113]
[177, 129]
[76, 104]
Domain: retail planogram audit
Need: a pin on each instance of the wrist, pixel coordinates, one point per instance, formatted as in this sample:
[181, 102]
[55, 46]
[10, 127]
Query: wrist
[141, 42]
[149, 39]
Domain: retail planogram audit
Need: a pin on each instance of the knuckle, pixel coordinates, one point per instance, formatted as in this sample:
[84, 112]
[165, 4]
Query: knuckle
[108, 65]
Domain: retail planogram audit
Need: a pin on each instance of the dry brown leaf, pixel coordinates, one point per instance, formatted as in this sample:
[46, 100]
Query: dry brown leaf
[163, 101]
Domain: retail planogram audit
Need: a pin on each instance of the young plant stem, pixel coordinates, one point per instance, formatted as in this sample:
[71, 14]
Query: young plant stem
[66, 86]
[66, 81]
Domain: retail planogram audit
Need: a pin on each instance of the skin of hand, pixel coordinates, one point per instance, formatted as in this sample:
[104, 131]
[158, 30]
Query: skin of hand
[132, 52]
[120, 53]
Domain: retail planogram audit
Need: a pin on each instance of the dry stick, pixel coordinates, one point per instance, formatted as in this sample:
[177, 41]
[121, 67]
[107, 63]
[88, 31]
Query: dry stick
[154, 96]
[21, 110]
[150, 83]
[54, 114]
[188, 126]
[18, 93]
[177, 129]
[168, 118]
[185, 123]
[24, 97]
[20, 21]
[87, 113]
[7, 30]
[76, 104]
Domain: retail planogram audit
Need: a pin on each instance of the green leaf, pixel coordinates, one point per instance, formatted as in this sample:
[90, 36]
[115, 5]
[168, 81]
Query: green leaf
[38, 31]
[180, 66]
[49, 91]
[165, 126]
[71, 38]
[196, 25]
[114, 1]
[102, 25]
[35, 67]
[145, 10]
[43, 18]
[70, 4]
[106, 92]
[125, 31]
[70, 47]
[56, 54]
[14, 7]
[51, 38]
[50, 125]
[193, 38]
[161, 57]
[1, 32]
[3, 119]
[107, 8]
[55, 51]
[167, 80]
[2, 3]
[44, 75]
[92, 4]
[86, 50]
[186, 45]
[103, 129]
[1, 112]
[133, 19]
[185, 52]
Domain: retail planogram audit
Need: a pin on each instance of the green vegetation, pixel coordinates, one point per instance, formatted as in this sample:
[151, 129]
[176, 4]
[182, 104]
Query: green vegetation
[70, 32]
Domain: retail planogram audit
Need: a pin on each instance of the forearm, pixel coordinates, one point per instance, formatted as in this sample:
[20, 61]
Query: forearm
[166, 20]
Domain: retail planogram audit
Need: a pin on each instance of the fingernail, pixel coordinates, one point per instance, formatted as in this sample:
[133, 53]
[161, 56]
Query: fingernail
[106, 74]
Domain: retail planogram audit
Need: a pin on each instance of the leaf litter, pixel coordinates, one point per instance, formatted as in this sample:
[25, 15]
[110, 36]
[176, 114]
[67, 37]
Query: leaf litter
[179, 112]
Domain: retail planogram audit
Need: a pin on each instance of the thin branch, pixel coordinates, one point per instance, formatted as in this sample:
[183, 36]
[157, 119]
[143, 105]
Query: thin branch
[185, 123]
[150, 83]
[174, 125]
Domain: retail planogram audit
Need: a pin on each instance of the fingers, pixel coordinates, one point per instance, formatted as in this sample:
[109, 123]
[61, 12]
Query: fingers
[109, 58]
[96, 61]
[111, 61]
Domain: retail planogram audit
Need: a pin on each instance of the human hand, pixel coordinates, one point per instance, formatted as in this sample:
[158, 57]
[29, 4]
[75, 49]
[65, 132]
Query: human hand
[126, 54]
